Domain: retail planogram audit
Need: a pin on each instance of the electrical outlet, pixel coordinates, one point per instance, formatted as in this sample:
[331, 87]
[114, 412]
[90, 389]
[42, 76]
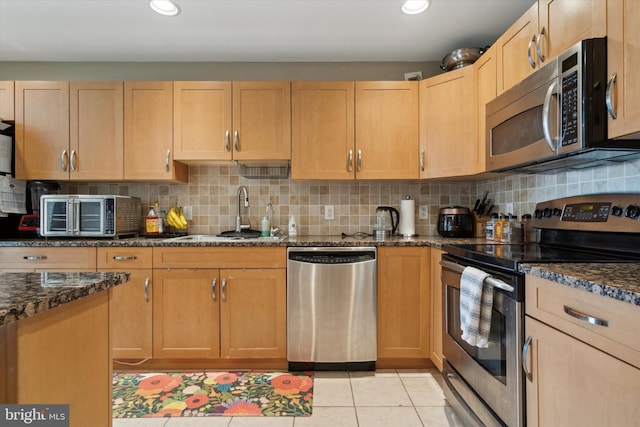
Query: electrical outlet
[424, 212]
[508, 208]
[328, 212]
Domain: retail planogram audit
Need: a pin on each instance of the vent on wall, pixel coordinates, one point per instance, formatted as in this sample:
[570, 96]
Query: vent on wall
[263, 172]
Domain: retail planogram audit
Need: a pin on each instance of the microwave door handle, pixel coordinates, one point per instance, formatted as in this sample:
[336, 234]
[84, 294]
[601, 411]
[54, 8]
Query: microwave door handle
[76, 216]
[551, 142]
[70, 217]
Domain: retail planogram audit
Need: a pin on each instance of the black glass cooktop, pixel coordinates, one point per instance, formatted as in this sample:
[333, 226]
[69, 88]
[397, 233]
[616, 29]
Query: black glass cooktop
[510, 255]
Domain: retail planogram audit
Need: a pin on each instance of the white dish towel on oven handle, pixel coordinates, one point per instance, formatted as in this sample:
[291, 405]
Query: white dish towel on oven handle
[476, 304]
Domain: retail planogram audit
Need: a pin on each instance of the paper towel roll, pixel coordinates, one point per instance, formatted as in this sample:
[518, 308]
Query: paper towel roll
[407, 217]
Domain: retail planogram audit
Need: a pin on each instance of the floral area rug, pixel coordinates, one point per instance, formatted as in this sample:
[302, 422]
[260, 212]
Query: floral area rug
[202, 394]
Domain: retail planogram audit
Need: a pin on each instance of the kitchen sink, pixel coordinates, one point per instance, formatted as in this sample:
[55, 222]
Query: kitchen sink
[229, 239]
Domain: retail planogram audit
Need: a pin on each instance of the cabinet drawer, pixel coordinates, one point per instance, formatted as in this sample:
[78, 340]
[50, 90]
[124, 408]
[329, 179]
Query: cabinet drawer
[125, 258]
[561, 306]
[220, 257]
[45, 258]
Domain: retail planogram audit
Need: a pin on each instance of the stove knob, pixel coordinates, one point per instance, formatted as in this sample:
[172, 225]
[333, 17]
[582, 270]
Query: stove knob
[557, 212]
[547, 212]
[616, 211]
[632, 211]
[537, 214]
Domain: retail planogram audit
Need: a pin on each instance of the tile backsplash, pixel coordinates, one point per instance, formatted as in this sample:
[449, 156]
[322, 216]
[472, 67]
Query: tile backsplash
[212, 192]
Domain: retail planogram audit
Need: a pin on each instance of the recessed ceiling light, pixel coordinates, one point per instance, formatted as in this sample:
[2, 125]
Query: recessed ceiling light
[414, 7]
[164, 7]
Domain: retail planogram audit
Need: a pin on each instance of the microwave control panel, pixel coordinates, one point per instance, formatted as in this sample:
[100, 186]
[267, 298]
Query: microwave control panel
[570, 114]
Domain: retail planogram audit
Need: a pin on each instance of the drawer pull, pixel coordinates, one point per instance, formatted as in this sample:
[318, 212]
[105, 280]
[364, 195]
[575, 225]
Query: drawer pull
[583, 316]
[35, 257]
[125, 258]
[146, 289]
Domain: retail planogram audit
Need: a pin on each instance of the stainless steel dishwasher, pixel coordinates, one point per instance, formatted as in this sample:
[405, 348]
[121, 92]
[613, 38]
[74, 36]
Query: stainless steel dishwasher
[331, 308]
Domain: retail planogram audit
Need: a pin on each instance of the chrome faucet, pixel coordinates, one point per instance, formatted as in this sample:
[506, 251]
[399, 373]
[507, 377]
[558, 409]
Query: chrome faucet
[239, 224]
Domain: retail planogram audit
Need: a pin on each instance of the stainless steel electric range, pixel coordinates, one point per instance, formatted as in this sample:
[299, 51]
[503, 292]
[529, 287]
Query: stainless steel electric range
[486, 385]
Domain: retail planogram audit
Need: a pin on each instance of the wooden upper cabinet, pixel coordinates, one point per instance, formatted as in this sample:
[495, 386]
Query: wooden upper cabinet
[42, 130]
[386, 115]
[322, 130]
[96, 131]
[562, 23]
[202, 120]
[148, 133]
[7, 110]
[623, 46]
[261, 120]
[448, 125]
[515, 50]
[485, 85]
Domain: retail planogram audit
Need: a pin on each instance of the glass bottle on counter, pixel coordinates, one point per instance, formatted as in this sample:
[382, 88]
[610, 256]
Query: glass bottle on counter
[489, 227]
[151, 221]
[497, 228]
[511, 230]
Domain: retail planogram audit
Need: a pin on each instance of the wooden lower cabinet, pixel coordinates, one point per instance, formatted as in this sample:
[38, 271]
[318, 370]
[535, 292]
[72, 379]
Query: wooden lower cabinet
[403, 306]
[574, 384]
[32, 259]
[437, 309]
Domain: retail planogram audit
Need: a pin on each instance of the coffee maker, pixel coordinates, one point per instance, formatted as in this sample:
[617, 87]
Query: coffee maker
[30, 223]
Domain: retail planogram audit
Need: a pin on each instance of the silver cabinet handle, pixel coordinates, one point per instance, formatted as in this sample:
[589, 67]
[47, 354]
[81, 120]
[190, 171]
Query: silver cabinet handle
[350, 161]
[610, 108]
[546, 107]
[63, 160]
[34, 257]
[125, 258]
[422, 159]
[214, 282]
[525, 351]
[223, 289]
[584, 316]
[146, 289]
[236, 141]
[539, 44]
[532, 62]
[73, 160]
[166, 160]
[359, 167]
[227, 141]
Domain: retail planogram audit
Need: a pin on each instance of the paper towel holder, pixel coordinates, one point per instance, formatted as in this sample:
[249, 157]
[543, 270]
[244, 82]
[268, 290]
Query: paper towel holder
[407, 217]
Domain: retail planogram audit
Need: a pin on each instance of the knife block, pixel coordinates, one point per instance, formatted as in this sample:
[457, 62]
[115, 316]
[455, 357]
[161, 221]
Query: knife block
[479, 225]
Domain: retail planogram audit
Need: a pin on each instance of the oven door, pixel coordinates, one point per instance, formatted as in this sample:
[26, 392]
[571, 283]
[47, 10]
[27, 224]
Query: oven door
[491, 376]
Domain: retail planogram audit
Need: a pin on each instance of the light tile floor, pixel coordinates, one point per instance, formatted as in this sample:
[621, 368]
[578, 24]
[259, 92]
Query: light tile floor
[383, 398]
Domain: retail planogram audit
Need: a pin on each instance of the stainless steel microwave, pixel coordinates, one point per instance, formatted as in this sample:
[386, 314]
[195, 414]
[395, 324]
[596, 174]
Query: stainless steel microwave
[557, 117]
[89, 216]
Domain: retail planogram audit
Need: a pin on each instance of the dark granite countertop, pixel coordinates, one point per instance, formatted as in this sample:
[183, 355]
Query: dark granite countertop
[619, 281]
[26, 294]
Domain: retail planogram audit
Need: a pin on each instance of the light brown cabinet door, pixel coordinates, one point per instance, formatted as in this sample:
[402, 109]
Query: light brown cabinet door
[47, 259]
[261, 121]
[437, 309]
[202, 120]
[148, 133]
[96, 131]
[485, 85]
[253, 313]
[515, 50]
[42, 130]
[562, 23]
[7, 110]
[387, 140]
[623, 45]
[322, 130]
[448, 124]
[574, 384]
[403, 302]
[131, 316]
[186, 314]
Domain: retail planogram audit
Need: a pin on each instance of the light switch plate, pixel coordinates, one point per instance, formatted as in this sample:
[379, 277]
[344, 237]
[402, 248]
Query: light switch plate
[328, 212]
[424, 212]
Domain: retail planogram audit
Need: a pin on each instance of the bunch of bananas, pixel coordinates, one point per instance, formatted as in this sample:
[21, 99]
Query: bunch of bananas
[176, 219]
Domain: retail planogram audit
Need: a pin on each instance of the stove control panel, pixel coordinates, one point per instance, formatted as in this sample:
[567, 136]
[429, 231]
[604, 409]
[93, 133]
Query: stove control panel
[616, 212]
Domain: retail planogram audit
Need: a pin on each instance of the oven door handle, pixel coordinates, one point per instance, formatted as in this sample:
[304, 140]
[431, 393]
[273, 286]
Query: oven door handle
[496, 283]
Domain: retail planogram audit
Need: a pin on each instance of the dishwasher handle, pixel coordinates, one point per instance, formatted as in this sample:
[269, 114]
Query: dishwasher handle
[332, 257]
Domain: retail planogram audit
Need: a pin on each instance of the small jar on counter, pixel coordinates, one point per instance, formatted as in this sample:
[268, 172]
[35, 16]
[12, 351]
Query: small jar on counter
[529, 232]
[498, 228]
[489, 227]
[512, 230]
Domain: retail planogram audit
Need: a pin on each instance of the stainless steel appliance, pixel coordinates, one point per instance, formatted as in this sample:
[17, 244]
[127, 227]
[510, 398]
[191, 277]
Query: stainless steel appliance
[331, 308]
[557, 117]
[485, 385]
[387, 222]
[455, 221]
[89, 216]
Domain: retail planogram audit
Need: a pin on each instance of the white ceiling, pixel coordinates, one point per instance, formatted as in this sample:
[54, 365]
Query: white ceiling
[248, 30]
